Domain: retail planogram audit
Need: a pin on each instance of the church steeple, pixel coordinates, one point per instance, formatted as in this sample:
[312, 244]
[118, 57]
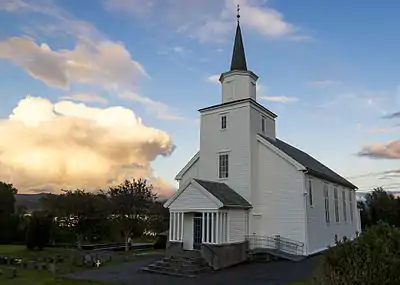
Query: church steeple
[239, 82]
[238, 57]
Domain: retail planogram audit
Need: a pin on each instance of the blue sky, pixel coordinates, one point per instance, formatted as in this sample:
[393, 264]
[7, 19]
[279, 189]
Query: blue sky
[328, 70]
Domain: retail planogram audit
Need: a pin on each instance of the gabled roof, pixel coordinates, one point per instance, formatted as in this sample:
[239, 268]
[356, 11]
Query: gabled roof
[313, 166]
[229, 197]
[187, 166]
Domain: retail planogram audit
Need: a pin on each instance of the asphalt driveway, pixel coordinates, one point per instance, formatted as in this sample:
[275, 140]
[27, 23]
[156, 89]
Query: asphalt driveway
[273, 273]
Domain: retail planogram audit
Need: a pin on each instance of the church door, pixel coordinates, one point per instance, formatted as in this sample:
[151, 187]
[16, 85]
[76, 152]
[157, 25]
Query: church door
[197, 230]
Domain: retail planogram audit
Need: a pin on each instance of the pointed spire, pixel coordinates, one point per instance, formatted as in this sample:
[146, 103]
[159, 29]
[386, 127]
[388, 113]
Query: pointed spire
[238, 57]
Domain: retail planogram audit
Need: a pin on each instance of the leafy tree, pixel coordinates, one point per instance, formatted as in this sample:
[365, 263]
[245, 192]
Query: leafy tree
[381, 206]
[8, 221]
[78, 211]
[372, 258]
[159, 218]
[130, 205]
[7, 199]
[38, 231]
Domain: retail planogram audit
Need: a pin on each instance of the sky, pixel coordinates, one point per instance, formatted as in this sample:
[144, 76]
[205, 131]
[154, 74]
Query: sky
[93, 92]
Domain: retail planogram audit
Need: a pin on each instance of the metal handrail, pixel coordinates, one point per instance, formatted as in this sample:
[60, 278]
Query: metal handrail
[275, 242]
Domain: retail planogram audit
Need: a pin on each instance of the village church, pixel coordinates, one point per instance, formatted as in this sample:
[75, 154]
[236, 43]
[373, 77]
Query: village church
[247, 188]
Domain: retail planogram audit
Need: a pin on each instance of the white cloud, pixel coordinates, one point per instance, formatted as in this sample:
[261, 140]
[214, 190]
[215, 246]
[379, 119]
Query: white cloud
[107, 64]
[211, 20]
[324, 83]
[85, 97]
[159, 109]
[70, 145]
[213, 79]
[280, 99]
[178, 49]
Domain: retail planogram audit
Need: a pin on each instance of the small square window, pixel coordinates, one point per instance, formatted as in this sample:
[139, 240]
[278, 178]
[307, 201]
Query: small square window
[223, 122]
[263, 124]
[223, 171]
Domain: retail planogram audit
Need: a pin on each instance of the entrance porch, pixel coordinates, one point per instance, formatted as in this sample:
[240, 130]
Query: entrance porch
[193, 229]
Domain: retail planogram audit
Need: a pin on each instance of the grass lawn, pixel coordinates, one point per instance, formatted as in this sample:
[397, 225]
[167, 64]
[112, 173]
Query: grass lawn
[35, 277]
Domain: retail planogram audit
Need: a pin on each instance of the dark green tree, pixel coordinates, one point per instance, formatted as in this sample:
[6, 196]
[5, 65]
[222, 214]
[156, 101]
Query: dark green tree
[381, 206]
[77, 210]
[131, 202]
[8, 220]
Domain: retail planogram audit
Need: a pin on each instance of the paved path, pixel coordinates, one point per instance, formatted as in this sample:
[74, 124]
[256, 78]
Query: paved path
[273, 273]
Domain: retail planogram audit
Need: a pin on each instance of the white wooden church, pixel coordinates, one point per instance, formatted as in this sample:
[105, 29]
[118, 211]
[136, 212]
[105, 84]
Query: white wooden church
[246, 187]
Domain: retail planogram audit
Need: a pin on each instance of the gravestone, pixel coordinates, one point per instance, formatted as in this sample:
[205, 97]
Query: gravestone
[52, 268]
[31, 265]
[23, 264]
[40, 266]
[88, 260]
[2, 259]
[10, 272]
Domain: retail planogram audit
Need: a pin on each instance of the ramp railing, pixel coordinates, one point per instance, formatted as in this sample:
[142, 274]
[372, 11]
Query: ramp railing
[275, 242]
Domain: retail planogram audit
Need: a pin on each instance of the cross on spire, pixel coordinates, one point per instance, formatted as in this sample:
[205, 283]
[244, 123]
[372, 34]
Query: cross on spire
[238, 13]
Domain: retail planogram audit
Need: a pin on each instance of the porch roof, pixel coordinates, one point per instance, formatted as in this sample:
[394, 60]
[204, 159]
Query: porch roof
[228, 197]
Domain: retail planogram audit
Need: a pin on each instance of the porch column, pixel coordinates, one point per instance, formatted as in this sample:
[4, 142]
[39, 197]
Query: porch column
[212, 228]
[207, 227]
[217, 227]
[181, 236]
[170, 226]
[203, 227]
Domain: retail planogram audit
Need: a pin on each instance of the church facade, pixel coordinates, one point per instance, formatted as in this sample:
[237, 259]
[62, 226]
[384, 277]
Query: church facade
[246, 188]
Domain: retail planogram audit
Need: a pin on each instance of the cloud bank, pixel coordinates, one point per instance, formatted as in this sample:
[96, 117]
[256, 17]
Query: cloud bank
[69, 145]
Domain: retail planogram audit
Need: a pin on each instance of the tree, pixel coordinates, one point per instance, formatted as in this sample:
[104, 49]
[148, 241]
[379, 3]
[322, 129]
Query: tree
[130, 205]
[7, 199]
[8, 221]
[381, 206]
[159, 218]
[78, 211]
[38, 231]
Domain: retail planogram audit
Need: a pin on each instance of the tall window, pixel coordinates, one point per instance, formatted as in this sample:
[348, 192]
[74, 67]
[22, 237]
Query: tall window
[263, 124]
[335, 196]
[223, 122]
[223, 166]
[310, 197]
[351, 205]
[326, 196]
[344, 201]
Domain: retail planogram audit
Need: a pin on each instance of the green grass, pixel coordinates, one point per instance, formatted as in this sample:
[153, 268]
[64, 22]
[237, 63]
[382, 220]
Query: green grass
[299, 283]
[35, 277]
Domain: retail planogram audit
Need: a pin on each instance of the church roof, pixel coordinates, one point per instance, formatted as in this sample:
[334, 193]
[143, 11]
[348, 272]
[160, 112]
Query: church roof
[238, 57]
[229, 197]
[313, 166]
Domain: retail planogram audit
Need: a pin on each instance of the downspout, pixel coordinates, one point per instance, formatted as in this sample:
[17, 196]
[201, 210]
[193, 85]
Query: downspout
[305, 211]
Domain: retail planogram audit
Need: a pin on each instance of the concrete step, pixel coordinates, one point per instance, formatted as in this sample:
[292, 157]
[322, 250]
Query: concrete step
[179, 266]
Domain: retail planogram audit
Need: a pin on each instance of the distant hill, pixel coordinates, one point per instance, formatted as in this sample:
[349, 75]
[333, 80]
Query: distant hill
[30, 201]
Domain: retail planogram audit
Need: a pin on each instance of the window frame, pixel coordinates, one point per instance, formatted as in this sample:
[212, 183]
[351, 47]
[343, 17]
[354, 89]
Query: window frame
[336, 201]
[223, 168]
[351, 206]
[344, 203]
[223, 118]
[310, 194]
[263, 124]
[326, 201]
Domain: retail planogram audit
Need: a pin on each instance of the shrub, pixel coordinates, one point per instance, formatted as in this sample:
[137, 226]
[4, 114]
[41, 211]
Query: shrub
[372, 258]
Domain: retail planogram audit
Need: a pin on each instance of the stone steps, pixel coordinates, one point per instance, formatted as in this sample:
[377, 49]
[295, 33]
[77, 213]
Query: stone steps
[179, 266]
